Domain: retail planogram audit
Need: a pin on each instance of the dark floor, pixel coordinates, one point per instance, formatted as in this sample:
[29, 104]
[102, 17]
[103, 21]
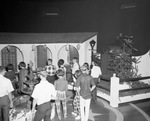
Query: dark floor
[134, 111]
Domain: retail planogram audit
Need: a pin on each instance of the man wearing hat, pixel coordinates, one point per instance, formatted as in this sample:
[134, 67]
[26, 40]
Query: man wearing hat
[42, 94]
[86, 84]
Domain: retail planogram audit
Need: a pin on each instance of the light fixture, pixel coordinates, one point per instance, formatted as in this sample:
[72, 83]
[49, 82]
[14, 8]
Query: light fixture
[92, 44]
[33, 47]
[67, 47]
[78, 46]
[8, 48]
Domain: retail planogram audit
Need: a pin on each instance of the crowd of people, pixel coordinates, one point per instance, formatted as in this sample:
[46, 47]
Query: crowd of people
[51, 93]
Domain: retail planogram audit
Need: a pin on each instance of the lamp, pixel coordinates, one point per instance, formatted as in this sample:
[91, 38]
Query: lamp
[78, 46]
[8, 48]
[33, 47]
[67, 47]
[92, 44]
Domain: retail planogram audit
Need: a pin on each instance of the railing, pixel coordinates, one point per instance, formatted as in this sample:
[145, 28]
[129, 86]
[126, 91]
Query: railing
[115, 89]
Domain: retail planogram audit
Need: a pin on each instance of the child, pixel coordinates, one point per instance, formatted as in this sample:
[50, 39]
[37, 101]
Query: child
[76, 101]
[61, 86]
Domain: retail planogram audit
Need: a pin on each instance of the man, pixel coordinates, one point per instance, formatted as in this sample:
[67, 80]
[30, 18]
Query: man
[95, 73]
[86, 84]
[5, 95]
[51, 77]
[43, 93]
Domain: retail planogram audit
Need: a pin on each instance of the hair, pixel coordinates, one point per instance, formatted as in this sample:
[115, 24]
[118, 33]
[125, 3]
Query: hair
[78, 73]
[60, 72]
[96, 64]
[75, 58]
[22, 64]
[86, 65]
[60, 62]
[10, 67]
[49, 60]
[2, 68]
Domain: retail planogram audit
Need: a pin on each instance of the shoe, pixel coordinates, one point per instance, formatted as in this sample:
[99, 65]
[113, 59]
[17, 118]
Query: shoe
[78, 117]
[75, 114]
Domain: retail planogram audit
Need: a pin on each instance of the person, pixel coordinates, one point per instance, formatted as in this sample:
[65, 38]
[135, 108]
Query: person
[86, 85]
[23, 75]
[51, 71]
[5, 95]
[51, 77]
[95, 73]
[61, 86]
[76, 101]
[87, 66]
[61, 66]
[42, 94]
[10, 74]
[75, 65]
[30, 70]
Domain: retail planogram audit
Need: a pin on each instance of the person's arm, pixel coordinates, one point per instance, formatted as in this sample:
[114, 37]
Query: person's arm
[66, 86]
[93, 84]
[9, 90]
[10, 98]
[55, 84]
[34, 104]
[35, 97]
[93, 88]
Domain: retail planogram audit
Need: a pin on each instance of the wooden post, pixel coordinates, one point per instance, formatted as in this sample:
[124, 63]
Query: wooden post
[114, 91]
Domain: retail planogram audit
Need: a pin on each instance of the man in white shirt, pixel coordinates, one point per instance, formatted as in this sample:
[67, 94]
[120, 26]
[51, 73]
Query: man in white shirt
[95, 73]
[5, 95]
[43, 93]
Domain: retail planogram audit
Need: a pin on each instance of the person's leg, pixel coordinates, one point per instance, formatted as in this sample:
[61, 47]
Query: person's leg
[5, 112]
[94, 92]
[42, 111]
[58, 108]
[87, 108]
[82, 109]
[47, 113]
[64, 108]
[52, 110]
[4, 102]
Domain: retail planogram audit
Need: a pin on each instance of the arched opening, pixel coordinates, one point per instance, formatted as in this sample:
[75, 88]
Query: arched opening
[67, 53]
[11, 55]
[42, 54]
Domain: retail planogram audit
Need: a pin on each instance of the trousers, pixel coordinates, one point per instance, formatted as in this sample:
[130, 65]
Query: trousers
[4, 108]
[94, 92]
[84, 108]
[43, 112]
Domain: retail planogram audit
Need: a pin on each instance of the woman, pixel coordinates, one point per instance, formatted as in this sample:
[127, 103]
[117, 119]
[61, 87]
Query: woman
[61, 86]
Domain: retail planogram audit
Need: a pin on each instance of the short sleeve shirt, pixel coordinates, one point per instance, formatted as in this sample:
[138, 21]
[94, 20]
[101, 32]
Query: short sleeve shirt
[51, 70]
[5, 86]
[96, 71]
[43, 92]
[85, 82]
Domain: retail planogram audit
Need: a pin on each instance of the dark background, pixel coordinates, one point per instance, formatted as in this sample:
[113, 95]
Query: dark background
[107, 17]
